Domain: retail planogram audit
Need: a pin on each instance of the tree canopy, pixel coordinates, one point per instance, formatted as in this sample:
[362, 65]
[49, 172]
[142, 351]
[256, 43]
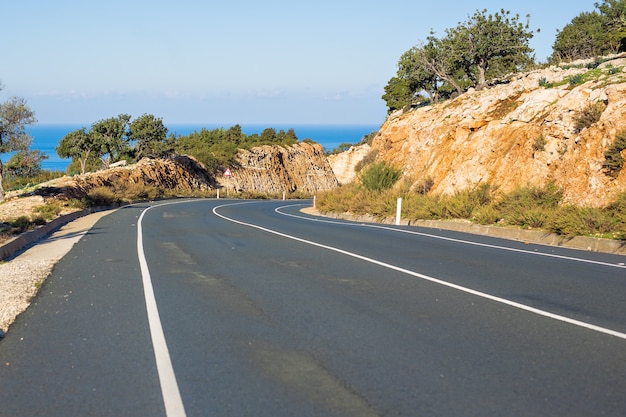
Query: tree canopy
[15, 115]
[79, 145]
[592, 34]
[149, 135]
[111, 135]
[217, 148]
[482, 48]
[25, 163]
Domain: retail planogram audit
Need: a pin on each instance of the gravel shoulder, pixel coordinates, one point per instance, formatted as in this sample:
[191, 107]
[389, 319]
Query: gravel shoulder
[21, 277]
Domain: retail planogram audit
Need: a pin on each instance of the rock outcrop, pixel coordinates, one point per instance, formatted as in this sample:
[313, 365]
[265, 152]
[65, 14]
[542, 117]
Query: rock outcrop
[344, 163]
[275, 169]
[178, 173]
[519, 133]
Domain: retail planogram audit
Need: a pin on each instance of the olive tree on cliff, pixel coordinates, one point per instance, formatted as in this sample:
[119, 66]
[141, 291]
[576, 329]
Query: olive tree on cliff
[417, 73]
[484, 47]
[15, 115]
[489, 46]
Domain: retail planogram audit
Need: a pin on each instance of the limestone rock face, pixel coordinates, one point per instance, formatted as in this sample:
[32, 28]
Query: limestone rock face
[274, 169]
[178, 173]
[343, 163]
[515, 134]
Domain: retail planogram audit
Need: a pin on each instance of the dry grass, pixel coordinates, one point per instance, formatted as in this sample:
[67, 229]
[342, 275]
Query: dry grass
[526, 207]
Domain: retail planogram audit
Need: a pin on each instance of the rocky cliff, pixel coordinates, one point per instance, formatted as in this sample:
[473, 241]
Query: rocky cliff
[273, 169]
[302, 167]
[518, 133]
[344, 163]
[179, 173]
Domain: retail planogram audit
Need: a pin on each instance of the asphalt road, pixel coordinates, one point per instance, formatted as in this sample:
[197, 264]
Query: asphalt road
[231, 308]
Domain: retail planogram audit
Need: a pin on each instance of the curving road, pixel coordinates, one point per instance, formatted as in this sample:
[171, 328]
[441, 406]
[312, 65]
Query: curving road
[251, 308]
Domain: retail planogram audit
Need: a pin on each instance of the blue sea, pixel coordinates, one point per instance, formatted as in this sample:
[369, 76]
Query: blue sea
[47, 136]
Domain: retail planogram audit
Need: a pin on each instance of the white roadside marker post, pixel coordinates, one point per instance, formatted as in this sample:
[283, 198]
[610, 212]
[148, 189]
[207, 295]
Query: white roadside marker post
[398, 211]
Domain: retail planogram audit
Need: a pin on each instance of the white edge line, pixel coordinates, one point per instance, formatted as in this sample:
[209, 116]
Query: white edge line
[450, 239]
[169, 387]
[434, 280]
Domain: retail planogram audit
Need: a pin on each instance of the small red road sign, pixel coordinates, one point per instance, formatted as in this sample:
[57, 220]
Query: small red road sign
[227, 173]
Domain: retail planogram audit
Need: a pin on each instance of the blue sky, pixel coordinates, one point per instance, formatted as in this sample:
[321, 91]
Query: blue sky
[237, 61]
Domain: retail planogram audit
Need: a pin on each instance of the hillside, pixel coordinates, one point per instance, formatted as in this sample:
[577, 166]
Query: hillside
[301, 168]
[520, 132]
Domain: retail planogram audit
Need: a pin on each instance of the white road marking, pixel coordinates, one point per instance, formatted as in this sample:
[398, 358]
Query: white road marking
[431, 279]
[169, 387]
[450, 239]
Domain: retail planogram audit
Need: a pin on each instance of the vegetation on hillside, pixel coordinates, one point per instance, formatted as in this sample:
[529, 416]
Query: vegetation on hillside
[121, 138]
[484, 47]
[217, 148]
[527, 207]
[489, 46]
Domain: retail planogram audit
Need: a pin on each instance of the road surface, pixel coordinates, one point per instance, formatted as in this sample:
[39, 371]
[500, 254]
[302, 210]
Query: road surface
[251, 308]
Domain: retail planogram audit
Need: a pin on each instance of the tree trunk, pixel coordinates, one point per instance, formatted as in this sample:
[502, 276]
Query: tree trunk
[482, 83]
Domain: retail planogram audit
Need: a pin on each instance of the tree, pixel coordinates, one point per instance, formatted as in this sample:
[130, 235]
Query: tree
[397, 94]
[489, 46]
[484, 47]
[80, 145]
[25, 163]
[414, 67]
[592, 34]
[414, 75]
[583, 37]
[15, 115]
[111, 135]
[441, 58]
[614, 12]
[149, 135]
[235, 135]
[268, 135]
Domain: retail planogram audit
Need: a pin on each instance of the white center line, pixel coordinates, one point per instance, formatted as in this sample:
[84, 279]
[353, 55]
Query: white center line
[481, 294]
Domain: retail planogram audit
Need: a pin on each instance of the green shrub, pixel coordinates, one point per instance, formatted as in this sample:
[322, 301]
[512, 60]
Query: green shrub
[20, 224]
[614, 70]
[486, 215]
[379, 176]
[576, 79]
[582, 221]
[589, 115]
[543, 82]
[613, 159]
[539, 144]
[48, 211]
[462, 204]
